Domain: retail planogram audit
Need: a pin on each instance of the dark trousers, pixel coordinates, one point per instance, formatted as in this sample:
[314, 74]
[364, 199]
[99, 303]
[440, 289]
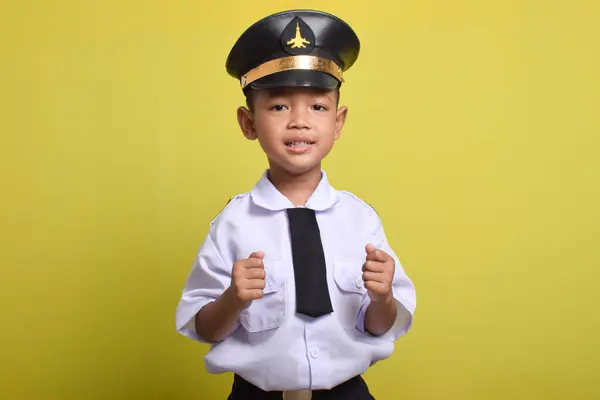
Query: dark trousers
[353, 389]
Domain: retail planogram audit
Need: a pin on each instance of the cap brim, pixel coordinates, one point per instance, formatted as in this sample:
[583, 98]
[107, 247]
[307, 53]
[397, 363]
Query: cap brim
[296, 78]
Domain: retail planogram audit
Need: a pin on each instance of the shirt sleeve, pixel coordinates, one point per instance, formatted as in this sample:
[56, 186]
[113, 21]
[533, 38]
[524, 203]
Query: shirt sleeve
[206, 282]
[403, 289]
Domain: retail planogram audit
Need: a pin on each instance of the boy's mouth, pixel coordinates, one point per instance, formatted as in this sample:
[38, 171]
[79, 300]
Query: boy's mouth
[298, 143]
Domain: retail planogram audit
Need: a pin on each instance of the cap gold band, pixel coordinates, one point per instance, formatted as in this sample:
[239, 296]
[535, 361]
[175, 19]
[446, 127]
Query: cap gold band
[302, 62]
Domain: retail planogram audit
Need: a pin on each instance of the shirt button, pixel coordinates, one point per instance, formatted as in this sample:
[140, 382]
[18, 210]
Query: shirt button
[314, 353]
[359, 283]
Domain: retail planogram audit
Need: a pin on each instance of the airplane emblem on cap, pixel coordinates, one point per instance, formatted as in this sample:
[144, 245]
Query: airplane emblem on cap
[298, 41]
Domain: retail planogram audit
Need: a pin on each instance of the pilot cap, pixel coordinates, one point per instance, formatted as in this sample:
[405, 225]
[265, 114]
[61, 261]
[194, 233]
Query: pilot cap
[295, 48]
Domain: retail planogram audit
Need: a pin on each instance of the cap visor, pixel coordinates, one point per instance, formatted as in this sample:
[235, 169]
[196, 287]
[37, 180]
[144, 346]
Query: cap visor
[297, 78]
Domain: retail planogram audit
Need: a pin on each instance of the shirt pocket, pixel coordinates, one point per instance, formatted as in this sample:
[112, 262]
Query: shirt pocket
[267, 312]
[351, 292]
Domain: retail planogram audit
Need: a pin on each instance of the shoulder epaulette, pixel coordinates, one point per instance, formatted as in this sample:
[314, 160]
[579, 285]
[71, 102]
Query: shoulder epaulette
[360, 200]
[227, 204]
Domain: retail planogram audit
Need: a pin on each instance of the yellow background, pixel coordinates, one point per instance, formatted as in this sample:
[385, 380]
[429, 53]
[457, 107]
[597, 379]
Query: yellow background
[473, 130]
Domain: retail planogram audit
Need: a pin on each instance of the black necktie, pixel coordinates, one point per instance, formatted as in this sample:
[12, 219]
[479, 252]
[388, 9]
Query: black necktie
[310, 272]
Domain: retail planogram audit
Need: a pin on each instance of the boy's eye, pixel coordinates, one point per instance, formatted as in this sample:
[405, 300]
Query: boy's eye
[278, 107]
[318, 107]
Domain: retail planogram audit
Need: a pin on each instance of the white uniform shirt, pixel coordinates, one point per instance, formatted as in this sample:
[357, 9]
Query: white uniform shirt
[272, 346]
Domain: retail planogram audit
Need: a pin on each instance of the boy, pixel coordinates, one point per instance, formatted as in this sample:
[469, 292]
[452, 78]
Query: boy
[295, 287]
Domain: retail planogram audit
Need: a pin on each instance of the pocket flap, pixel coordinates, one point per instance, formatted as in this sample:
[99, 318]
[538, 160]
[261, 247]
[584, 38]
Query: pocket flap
[348, 275]
[267, 312]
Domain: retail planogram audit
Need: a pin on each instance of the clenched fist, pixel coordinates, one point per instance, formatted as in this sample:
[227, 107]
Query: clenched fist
[378, 274]
[248, 279]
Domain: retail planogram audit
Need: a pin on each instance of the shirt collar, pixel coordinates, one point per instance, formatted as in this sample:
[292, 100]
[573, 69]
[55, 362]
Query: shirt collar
[265, 195]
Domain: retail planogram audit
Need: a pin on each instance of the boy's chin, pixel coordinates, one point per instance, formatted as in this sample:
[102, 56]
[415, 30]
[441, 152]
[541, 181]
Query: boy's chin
[297, 169]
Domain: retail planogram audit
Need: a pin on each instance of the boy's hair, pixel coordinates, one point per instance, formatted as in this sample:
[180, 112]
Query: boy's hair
[250, 93]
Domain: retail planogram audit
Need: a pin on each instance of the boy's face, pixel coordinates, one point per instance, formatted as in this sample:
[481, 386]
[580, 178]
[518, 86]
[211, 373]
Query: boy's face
[296, 127]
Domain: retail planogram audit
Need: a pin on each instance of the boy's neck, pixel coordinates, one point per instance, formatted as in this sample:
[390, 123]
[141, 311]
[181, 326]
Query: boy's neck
[297, 188]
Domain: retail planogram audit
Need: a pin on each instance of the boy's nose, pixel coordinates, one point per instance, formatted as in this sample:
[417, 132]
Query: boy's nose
[298, 119]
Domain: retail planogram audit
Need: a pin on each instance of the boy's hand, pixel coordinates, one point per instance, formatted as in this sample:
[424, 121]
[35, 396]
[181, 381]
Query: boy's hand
[248, 279]
[378, 274]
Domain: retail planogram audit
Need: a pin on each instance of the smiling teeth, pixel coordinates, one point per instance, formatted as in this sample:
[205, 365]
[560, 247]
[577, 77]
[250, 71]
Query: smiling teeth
[299, 144]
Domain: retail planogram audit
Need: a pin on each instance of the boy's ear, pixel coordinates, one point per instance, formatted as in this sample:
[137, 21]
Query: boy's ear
[246, 123]
[340, 119]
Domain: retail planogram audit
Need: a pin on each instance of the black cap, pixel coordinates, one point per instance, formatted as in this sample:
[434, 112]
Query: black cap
[295, 48]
